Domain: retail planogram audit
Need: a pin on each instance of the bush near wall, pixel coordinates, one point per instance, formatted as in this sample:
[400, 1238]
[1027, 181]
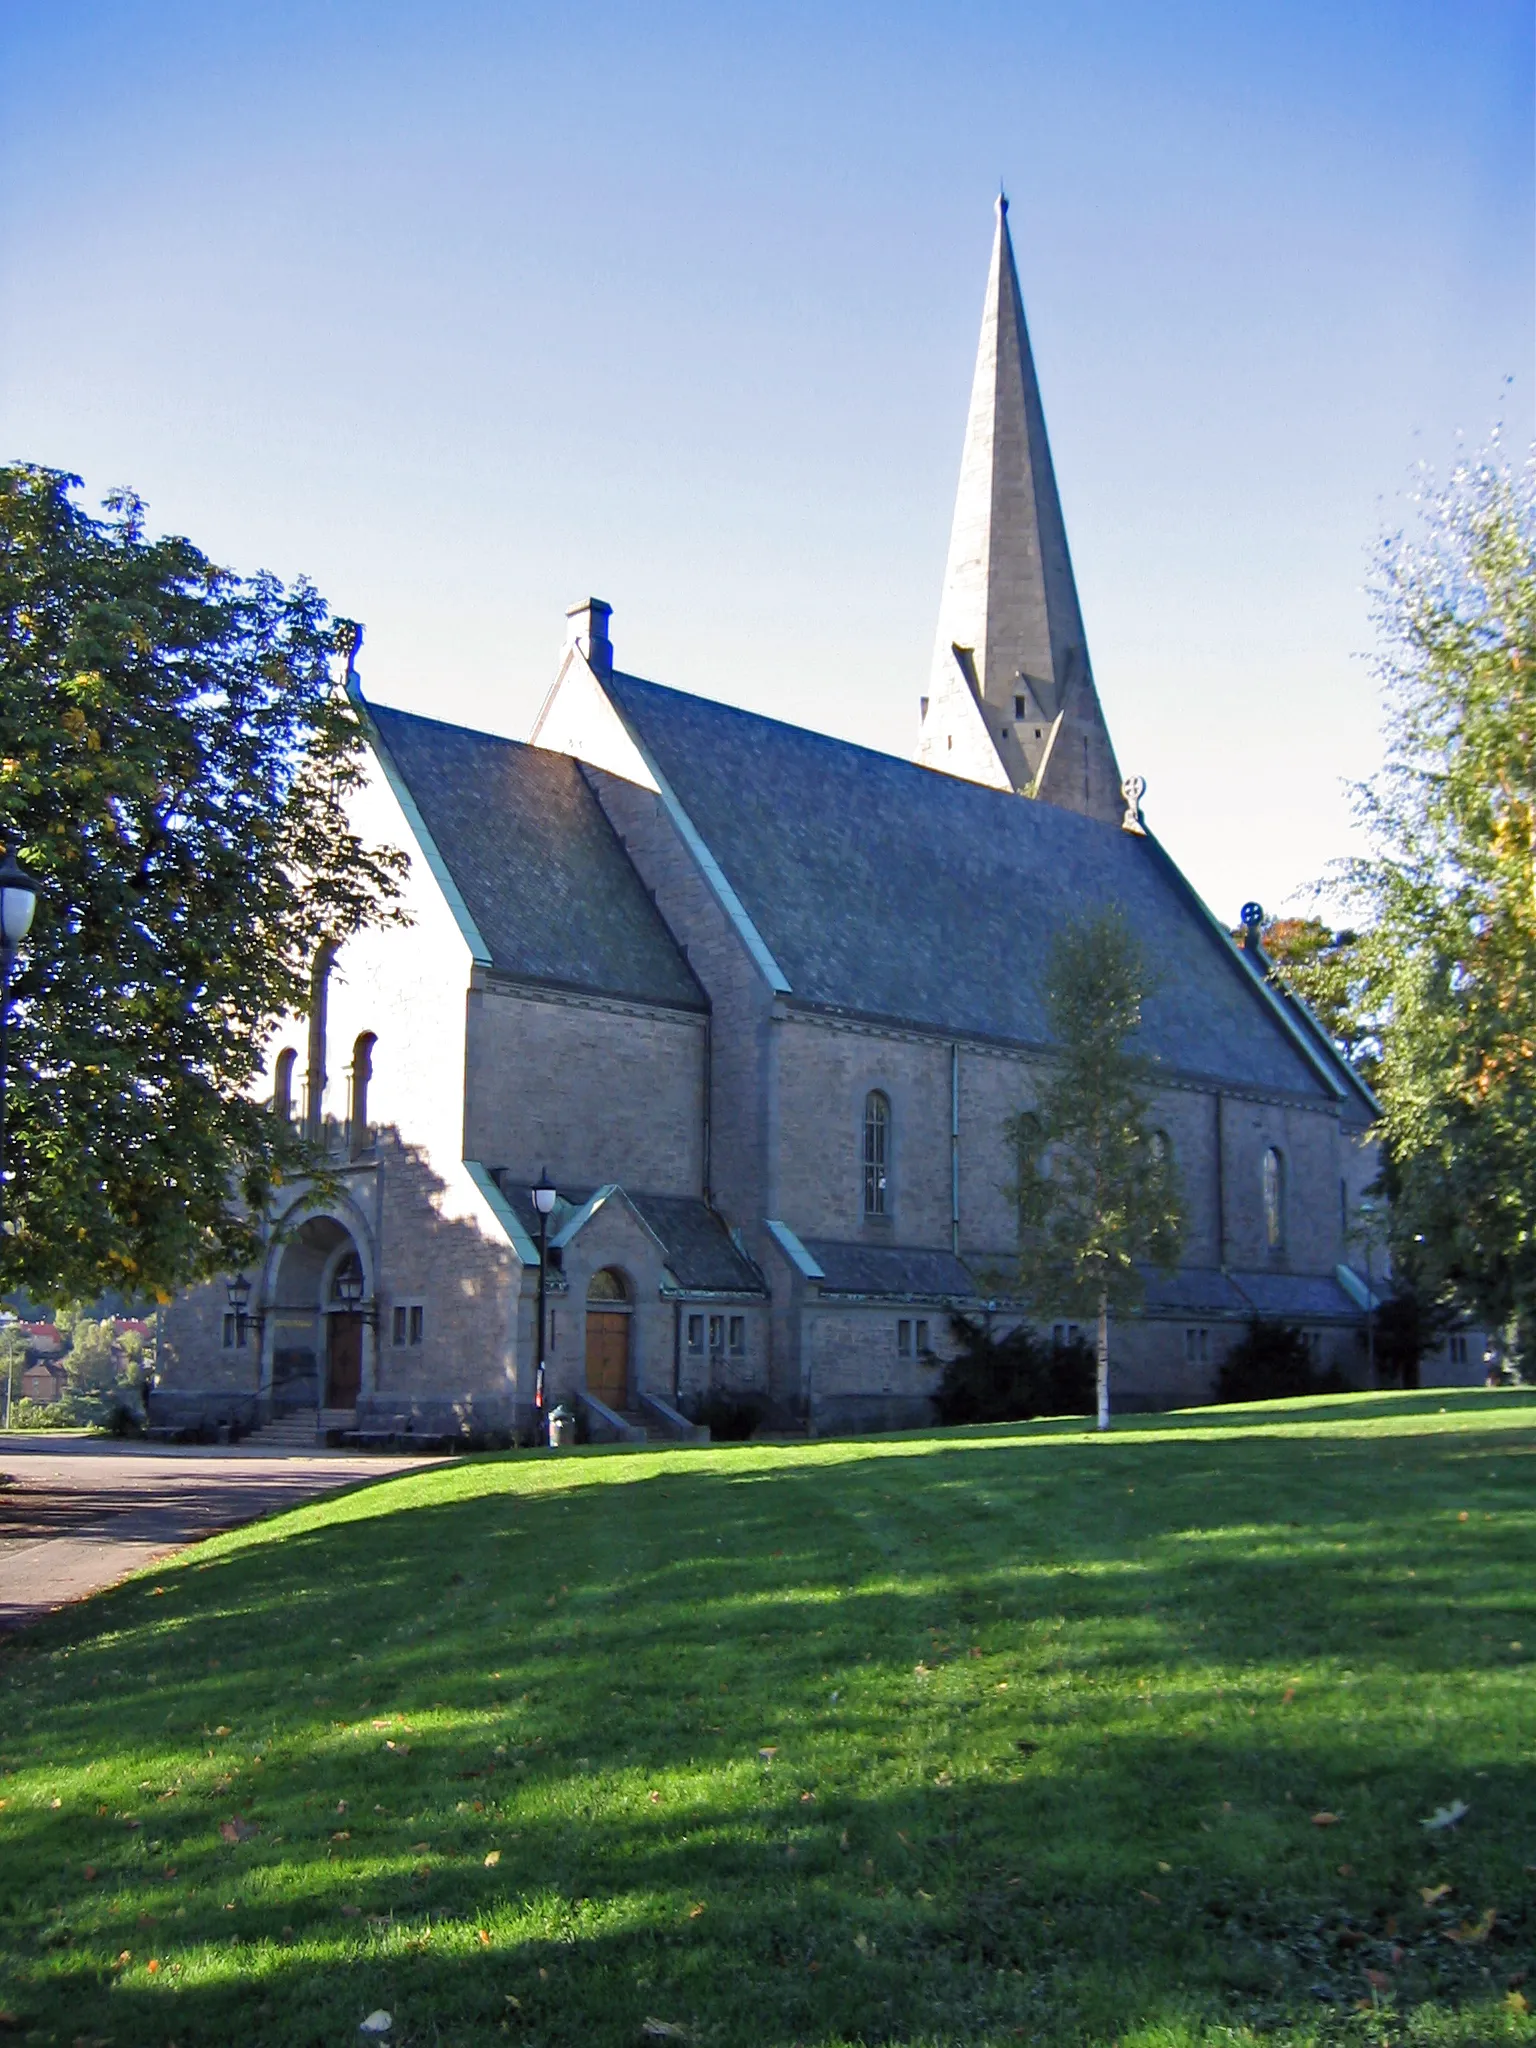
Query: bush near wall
[1273, 1362]
[1012, 1378]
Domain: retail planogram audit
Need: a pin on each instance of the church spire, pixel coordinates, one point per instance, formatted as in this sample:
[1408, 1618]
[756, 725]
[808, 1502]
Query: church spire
[1011, 701]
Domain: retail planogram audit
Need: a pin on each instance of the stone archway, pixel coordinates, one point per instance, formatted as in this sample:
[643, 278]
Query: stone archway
[316, 1337]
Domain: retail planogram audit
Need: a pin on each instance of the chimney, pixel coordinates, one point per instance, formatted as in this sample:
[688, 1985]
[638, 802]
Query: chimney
[586, 628]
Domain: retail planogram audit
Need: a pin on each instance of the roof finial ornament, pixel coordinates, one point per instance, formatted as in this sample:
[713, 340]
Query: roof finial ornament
[1252, 915]
[1133, 789]
[1002, 198]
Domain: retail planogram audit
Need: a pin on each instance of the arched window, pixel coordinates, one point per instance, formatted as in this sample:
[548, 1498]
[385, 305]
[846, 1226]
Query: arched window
[362, 1074]
[877, 1152]
[607, 1287]
[1274, 1200]
[282, 1083]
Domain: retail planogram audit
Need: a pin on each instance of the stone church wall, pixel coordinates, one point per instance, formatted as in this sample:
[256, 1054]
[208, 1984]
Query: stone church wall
[593, 1091]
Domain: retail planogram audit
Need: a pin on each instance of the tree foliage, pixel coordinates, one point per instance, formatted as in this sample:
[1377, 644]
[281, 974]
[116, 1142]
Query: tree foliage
[1273, 1361]
[175, 764]
[1326, 967]
[1447, 891]
[1098, 1190]
[1012, 1378]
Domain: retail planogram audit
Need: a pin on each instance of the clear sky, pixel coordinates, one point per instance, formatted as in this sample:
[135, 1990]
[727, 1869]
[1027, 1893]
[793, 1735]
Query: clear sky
[470, 310]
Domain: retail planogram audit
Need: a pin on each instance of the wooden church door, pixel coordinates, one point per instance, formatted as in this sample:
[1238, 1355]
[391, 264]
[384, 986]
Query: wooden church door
[608, 1321]
[344, 1360]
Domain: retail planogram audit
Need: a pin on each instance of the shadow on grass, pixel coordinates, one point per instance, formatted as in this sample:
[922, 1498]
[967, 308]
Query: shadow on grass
[942, 1749]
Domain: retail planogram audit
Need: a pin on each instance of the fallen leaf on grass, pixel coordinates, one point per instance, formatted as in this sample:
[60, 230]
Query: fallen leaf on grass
[351, 1912]
[694, 1912]
[1446, 1816]
[1516, 2002]
[1288, 1695]
[663, 2030]
[376, 2023]
[237, 1829]
[89, 1872]
[764, 1756]
[485, 1939]
[152, 1965]
[493, 1859]
[1325, 1819]
[1472, 1932]
[1432, 1894]
[1151, 1897]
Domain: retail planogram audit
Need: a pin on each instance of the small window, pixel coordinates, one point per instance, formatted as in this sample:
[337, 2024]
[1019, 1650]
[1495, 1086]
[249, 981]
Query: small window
[398, 1328]
[877, 1152]
[1274, 1199]
[738, 1336]
[717, 1333]
[904, 1338]
[418, 1321]
[1197, 1347]
[608, 1285]
[921, 1338]
[230, 1321]
[1063, 1334]
[1458, 1347]
[282, 1083]
[1037, 732]
[1020, 710]
[696, 1334]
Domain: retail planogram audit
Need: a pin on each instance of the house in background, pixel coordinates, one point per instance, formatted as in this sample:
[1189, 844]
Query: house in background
[762, 1003]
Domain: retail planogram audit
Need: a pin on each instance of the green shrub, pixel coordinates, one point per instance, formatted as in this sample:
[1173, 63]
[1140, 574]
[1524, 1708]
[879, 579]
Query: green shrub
[730, 1418]
[1012, 1378]
[1273, 1362]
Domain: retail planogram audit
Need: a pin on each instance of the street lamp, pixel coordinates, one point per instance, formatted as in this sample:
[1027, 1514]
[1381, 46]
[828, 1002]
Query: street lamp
[239, 1292]
[18, 900]
[348, 1283]
[544, 1198]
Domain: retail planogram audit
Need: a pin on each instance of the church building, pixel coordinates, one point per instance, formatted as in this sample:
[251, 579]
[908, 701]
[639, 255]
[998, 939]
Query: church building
[760, 1005]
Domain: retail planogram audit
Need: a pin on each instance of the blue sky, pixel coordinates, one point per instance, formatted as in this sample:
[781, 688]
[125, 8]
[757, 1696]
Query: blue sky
[468, 311]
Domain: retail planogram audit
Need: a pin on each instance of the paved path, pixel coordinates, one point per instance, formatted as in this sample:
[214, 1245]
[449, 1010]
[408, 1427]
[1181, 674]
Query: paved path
[77, 1513]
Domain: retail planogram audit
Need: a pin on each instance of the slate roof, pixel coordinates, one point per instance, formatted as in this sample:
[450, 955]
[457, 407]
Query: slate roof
[888, 1270]
[540, 869]
[889, 891]
[701, 1254]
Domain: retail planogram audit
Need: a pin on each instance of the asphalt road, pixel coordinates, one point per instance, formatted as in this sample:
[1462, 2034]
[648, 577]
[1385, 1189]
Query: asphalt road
[79, 1513]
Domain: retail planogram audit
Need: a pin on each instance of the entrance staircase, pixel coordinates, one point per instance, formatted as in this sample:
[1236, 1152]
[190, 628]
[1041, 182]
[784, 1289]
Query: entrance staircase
[296, 1431]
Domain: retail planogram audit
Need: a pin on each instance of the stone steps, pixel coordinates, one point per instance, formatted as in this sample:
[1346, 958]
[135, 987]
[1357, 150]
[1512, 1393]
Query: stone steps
[298, 1432]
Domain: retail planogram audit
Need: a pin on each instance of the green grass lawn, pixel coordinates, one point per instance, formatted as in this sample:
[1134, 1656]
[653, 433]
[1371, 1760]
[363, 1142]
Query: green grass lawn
[987, 1736]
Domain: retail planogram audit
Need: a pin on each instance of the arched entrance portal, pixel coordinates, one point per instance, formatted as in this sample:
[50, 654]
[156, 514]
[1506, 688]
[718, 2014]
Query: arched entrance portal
[608, 1322]
[316, 1322]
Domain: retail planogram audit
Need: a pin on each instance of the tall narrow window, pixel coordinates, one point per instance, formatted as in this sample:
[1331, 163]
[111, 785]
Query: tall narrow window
[362, 1074]
[282, 1083]
[877, 1152]
[1274, 1200]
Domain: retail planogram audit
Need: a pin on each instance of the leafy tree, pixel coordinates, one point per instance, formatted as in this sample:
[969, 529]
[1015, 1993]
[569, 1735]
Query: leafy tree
[1098, 1192]
[1448, 893]
[92, 1361]
[175, 764]
[1326, 968]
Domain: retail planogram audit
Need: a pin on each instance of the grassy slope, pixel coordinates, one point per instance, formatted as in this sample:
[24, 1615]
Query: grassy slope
[964, 1738]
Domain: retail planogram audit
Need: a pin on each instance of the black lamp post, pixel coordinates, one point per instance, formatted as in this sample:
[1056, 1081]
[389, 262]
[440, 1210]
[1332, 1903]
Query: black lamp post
[18, 900]
[239, 1292]
[543, 1201]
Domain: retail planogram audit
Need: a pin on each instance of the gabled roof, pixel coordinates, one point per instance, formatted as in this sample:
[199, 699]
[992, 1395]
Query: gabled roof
[889, 891]
[700, 1252]
[540, 870]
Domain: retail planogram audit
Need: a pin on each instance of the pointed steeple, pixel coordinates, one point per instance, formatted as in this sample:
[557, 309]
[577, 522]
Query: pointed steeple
[1011, 701]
